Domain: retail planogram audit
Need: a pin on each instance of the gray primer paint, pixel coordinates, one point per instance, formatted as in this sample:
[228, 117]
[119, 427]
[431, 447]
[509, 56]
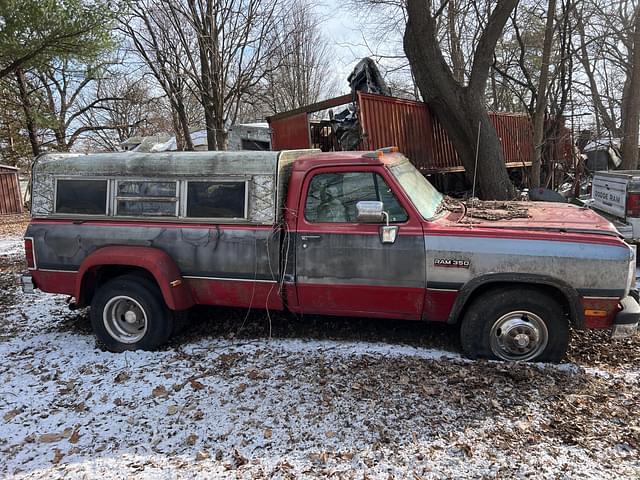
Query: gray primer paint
[209, 252]
[582, 265]
[361, 260]
[259, 168]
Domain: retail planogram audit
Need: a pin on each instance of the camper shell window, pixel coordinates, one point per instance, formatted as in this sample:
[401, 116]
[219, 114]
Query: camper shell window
[142, 198]
[81, 196]
[216, 199]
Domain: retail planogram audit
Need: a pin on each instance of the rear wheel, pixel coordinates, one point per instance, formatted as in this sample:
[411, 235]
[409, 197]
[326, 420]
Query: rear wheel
[515, 324]
[128, 313]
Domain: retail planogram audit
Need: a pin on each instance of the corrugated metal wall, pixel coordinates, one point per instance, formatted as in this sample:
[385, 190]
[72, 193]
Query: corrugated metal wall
[410, 126]
[10, 199]
[290, 133]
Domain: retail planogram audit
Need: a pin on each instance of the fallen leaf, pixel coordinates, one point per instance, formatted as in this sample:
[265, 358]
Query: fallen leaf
[10, 414]
[198, 415]
[330, 434]
[268, 433]
[75, 435]
[159, 391]
[57, 456]
[429, 390]
[122, 377]
[50, 437]
[239, 459]
[241, 388]
[196, 385]
[202, 455]
[172, 410]
[191, 439]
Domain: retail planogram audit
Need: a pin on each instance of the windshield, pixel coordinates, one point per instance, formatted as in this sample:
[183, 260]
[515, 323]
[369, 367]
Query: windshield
[423, 195]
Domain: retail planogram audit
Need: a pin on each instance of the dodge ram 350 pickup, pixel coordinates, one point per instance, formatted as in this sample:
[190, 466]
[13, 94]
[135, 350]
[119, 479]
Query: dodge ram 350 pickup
[142, 237]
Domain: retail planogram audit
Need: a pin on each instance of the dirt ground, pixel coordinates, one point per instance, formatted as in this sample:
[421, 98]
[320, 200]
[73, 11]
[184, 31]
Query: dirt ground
[253, 395]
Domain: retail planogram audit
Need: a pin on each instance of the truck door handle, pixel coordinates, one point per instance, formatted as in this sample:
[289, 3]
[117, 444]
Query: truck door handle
[306, 238]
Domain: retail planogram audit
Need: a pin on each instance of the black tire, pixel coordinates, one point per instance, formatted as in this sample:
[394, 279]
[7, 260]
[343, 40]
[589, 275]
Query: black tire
[141, 297]
[180, 321]
[520, 312]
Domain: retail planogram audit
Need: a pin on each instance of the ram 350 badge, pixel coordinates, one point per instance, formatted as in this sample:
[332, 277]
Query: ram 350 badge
[452, 262]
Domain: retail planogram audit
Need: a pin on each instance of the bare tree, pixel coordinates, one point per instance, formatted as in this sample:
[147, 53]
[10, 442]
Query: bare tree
[234, 40]
[131, 110]
[156, 42]
[300, 70]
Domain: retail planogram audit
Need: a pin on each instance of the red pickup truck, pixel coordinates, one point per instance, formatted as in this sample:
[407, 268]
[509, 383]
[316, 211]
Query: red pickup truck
[143, 237]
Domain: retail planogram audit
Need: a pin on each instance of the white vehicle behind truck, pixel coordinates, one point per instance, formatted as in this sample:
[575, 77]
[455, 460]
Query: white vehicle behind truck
[616, 194]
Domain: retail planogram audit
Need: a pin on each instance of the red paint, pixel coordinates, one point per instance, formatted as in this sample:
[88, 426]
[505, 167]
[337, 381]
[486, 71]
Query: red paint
[55, 282]
[610, 305]
[234, 293]
[28, 252]
[438, 304]
[360, 301]
[341, 299]
[290, 133]
[155, 261]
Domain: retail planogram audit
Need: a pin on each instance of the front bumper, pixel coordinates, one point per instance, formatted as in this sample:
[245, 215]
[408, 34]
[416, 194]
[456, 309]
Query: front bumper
[27, 284]
[626, 322]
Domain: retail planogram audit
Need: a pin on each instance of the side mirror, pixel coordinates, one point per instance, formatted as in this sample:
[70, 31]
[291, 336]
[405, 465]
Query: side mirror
[370, 212]
[373, 212]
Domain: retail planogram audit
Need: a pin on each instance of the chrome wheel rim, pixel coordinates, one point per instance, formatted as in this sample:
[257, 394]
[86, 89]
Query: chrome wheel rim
[125, 319]
[518, 335]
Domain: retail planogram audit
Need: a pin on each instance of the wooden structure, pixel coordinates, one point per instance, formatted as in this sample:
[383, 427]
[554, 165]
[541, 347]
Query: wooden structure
[10, 198]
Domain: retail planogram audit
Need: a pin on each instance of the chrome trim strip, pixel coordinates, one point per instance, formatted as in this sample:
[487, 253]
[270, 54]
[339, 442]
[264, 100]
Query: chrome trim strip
[230, 279]
[56, 271]
[602, 298]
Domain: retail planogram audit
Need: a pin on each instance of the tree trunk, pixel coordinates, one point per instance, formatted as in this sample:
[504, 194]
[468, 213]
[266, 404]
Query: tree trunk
[541, 100]
[632, 111]
[461, 109]
[184, 124]
[28, 112]
[177, 129]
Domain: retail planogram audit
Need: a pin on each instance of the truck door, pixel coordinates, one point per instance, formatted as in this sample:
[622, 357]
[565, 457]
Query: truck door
[342, 266]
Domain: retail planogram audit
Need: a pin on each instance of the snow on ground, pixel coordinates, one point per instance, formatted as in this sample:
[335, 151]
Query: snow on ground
[321, 398]
[11, 247]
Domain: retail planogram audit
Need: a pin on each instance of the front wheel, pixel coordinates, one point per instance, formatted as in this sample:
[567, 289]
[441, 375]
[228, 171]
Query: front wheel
[128, 313]
[515, 324]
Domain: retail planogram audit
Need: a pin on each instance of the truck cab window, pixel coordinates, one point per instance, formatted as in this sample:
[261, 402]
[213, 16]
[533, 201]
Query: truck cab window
[216, 199]
[332, 197]
[81, 197]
